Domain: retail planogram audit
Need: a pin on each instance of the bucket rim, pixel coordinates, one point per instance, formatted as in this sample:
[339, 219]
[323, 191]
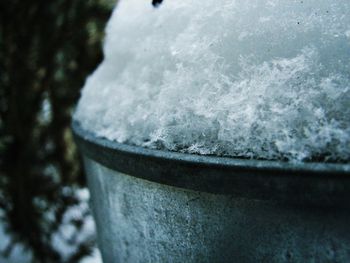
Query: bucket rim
[261, 179]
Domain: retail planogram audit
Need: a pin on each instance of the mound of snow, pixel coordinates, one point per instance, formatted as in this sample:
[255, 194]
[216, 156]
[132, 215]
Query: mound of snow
[256, 79]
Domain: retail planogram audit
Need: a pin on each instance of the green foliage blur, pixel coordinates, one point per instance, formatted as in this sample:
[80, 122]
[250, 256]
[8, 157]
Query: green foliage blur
[47, 48]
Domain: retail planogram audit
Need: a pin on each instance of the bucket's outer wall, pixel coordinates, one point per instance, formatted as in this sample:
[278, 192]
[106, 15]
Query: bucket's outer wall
[143, 221]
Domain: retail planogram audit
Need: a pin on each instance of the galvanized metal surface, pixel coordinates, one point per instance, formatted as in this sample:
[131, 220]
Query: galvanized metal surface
[143, 221]
[154, 206]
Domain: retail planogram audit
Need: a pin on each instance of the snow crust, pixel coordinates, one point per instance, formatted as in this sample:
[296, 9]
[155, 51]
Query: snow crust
[263, 79]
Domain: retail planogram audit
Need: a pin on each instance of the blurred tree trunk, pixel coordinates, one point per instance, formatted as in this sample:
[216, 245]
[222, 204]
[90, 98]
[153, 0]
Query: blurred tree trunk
[47, 50]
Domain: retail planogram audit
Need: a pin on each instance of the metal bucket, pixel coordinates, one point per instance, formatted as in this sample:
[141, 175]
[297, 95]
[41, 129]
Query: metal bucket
[157, 206]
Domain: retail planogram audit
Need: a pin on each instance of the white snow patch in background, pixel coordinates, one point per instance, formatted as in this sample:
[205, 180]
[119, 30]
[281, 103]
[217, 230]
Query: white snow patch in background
[257, 79]
[66, 231]
[94, 258]
[18, 254]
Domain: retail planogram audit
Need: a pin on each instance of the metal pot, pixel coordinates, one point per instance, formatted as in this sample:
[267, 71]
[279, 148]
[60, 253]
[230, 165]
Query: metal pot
[158, 206]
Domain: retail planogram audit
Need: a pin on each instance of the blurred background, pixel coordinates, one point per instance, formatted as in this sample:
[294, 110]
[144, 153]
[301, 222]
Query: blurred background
[47, 50]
